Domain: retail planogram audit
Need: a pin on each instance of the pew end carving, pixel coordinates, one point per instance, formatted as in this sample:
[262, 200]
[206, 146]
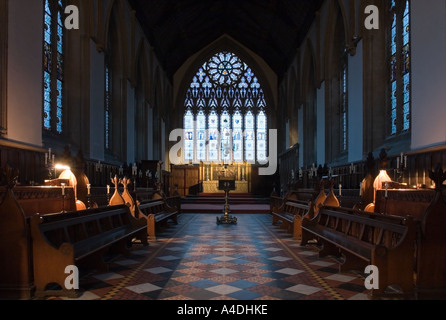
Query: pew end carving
[16, 280]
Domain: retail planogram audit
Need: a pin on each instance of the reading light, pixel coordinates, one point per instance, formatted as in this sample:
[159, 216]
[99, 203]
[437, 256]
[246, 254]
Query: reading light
[62, 167]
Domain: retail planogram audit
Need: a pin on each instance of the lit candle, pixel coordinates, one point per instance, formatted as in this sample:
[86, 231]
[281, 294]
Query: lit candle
[88, 188]
[108, 189]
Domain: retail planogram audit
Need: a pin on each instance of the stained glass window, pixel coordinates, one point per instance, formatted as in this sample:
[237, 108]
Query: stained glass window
[406, 67]
[213, 136]
[237, 144]
[108, 104]
[261, 137]
[344, 103]
[189, 136]
[227, 102]
[249, 137]
[225, 68]
[226, 136]
[201, 136]
[53, 60]
[400, 78]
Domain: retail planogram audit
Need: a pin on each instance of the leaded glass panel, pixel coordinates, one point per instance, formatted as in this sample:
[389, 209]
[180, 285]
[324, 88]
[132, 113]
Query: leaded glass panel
[221, 92]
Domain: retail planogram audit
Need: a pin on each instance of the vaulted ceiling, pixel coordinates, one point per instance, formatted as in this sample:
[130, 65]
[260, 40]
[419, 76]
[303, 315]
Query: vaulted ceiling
[273, 29]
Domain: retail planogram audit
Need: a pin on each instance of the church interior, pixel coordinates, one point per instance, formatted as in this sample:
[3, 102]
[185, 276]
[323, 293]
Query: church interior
[222, 150]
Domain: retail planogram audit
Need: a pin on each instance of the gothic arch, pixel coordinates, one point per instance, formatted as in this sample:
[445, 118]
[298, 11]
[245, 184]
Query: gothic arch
[226, 43]
[309, 102]
[119, 20]
[309, 65]
[141, 117]
[116, 57]
[336, 104]
[336, 8]
[141, 65]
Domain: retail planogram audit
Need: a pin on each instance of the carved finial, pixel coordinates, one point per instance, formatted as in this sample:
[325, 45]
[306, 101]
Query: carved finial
[383, 160]
[115, 182]
[11, 175]
[438, 177]
[370, 164]
[125, 182]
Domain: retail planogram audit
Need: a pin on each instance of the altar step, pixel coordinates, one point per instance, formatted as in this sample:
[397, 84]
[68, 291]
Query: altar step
[214, 203]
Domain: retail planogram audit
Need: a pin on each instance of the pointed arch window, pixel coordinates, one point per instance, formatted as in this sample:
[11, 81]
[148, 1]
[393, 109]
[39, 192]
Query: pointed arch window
[53, 66]
[226, 102]
[400, 67]
[344, 101]
[108, 103]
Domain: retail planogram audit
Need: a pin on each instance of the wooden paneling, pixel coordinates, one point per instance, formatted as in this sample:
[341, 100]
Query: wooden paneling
[184, 177]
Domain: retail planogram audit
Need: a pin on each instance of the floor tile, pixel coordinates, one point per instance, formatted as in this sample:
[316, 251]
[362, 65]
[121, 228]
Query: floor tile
[198, 260]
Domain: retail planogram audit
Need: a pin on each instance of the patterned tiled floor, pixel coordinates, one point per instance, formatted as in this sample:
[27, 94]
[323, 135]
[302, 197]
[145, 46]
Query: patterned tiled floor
[200, 260]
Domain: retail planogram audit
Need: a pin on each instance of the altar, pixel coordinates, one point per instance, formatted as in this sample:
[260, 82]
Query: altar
[211, 173]
[204, 176]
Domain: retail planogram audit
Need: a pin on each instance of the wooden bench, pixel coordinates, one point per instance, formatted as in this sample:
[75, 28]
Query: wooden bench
[290, 215]
[157, 212]
[428, 208]
[42, 199]
[359, 240]
[86, 239]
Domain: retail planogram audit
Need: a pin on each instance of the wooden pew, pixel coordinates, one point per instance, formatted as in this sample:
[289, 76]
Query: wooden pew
[290, 211]
[428, 208]
[290, 215]
[43, 199]
[84, 239]
[158, 212]
[359, 240]
[16, 280]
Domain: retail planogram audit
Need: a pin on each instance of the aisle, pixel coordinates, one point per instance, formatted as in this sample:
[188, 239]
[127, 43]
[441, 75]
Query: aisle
[200, 260]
